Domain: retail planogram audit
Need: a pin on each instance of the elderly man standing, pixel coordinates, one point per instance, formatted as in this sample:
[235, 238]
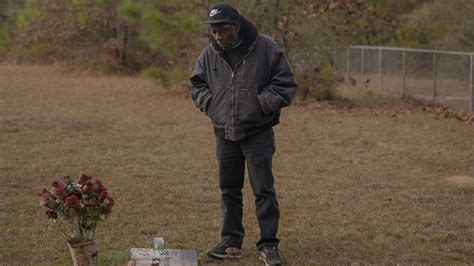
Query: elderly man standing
[241, 81]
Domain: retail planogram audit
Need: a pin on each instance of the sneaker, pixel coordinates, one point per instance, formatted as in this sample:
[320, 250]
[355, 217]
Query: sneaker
[270, 256]
[224, 251]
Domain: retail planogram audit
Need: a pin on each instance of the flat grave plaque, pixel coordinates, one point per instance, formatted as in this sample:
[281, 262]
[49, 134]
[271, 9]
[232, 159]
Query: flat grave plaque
[169, 257]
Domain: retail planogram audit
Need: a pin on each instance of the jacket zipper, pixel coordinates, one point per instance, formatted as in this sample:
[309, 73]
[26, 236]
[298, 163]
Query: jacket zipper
[241, 60]
[235, 68]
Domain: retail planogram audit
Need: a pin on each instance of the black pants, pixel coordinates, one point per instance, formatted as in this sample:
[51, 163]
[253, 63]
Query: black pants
[257, 150]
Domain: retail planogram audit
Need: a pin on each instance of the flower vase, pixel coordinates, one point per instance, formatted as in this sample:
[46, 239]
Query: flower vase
[84, 254]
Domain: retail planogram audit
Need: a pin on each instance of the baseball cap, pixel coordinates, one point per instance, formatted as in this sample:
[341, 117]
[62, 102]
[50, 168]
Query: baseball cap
[222, 13]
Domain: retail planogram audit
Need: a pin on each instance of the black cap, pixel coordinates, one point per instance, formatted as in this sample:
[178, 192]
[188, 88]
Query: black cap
[222, 13]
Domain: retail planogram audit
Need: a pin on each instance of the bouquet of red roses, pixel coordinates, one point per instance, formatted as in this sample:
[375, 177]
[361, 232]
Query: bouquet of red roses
[75, 207]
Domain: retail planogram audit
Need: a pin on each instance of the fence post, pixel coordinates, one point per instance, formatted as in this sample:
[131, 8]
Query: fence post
[471, 85]
[362, 66]
[380, 68]
[347, 64]
[434, 76]
[403, 73]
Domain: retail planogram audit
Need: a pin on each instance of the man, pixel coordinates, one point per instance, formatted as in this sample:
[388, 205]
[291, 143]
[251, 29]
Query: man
[241, 81]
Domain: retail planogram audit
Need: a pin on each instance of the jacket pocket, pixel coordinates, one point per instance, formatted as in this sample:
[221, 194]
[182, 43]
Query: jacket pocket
[249, 107]
[216, 108]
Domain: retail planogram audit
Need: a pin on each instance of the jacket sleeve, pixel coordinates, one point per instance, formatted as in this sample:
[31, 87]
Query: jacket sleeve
[282, 87]
[200, 91]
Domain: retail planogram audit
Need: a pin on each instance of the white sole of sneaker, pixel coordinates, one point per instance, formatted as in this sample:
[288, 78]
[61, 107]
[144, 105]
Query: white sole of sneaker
[262, 259]
[228, 255]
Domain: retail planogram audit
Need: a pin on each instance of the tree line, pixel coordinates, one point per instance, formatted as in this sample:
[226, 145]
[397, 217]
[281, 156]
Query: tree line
[161, 39]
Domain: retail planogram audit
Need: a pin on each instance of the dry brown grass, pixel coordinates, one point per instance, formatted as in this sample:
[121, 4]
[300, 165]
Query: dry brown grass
[450, 92]
[355, 184]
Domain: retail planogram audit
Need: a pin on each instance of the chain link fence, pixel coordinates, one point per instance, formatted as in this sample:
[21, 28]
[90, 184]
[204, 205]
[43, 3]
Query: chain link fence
[431, 75]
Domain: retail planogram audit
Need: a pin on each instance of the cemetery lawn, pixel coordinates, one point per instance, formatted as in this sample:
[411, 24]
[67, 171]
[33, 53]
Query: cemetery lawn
[376, 183]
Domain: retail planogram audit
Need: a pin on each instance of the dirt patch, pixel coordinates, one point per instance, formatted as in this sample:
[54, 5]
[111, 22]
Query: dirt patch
[461, 181]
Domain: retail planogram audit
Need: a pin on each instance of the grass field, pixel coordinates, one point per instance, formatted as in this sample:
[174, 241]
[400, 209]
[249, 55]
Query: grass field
[377, 183]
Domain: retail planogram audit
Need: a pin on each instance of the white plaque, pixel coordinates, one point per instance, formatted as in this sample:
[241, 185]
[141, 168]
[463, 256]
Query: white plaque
[169, 257]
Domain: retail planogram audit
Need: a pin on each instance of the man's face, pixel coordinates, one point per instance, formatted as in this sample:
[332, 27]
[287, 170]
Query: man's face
[226, 36]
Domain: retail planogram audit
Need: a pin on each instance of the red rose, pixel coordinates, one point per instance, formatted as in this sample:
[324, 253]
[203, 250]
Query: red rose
[102, 195]
[60, 193]
[48, 200]
[88, 188]
[45, 194]
[51, 204]
[78, 194]
[58, 184]
[72, 201]
[98, 187]
[84, 178]
[92, 203]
